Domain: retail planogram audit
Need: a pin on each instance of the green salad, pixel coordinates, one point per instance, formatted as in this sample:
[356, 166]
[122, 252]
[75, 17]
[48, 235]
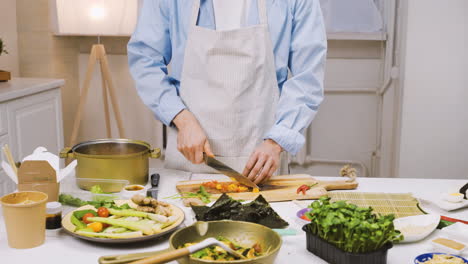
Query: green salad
[106, 222]
[349, 227]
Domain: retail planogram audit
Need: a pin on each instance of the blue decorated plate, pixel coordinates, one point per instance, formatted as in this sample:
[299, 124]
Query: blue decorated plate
[427, 256]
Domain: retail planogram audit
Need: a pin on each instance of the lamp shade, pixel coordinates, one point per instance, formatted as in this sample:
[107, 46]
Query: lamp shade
[94, 17]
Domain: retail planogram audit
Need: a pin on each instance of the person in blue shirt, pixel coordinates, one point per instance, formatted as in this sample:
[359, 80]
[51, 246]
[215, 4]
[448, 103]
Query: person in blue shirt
[227, 92]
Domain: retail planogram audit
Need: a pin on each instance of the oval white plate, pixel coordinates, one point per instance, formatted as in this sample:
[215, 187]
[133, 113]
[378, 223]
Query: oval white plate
[430, 220]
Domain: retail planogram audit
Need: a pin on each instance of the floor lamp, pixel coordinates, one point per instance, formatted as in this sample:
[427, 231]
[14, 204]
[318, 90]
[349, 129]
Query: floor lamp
[96, 18]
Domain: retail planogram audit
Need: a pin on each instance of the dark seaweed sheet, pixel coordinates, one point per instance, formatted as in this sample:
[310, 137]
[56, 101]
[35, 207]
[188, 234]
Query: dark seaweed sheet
[225, 208]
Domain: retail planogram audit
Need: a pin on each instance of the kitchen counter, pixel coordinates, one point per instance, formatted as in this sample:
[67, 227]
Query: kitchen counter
[19, 87]
[62, 248]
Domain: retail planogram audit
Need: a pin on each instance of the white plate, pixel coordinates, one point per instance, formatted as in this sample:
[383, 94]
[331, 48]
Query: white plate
[442, 204]
[431, 221]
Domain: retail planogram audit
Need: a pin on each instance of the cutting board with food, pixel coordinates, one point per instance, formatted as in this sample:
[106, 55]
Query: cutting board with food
[279, 188]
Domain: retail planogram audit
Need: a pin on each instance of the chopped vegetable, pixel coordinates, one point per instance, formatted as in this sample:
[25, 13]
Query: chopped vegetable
[86, 217]
[304, 188]
[128, 212]
[217, 253]
[103, 212]
[96, 226]
[97, 202]
[226, 187]
[351, 228]
[110, 235]
[202, 194]
[79, 214]
[147, 229]
[113, 229]
[75, 221]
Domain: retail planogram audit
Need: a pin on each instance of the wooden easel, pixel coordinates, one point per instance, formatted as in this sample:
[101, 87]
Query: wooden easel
[98, 54]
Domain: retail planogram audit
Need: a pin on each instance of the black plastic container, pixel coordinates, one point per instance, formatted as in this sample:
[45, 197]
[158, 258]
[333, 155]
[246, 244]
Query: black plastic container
[334, 255]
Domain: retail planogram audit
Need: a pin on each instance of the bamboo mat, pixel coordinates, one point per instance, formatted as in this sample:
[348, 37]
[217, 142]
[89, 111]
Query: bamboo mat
[399, 204]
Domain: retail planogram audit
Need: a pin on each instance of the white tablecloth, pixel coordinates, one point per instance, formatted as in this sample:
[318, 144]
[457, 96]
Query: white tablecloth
[61, 248]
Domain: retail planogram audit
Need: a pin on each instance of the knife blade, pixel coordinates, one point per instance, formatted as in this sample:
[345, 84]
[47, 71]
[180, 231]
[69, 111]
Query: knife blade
[228, 171]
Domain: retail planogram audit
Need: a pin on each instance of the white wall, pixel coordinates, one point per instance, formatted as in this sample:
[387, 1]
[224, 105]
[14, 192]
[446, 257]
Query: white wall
[434, 135]
[139, 122]
[8, 32]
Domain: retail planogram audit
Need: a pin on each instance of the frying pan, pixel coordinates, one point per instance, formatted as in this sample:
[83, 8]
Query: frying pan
[243, 233]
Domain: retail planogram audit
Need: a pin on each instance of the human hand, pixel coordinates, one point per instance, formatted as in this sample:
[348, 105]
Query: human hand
[263, 162]
[191, 139]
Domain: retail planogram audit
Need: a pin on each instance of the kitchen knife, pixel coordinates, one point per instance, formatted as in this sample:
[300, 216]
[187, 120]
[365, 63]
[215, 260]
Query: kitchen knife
[153, 191]
[226, 170]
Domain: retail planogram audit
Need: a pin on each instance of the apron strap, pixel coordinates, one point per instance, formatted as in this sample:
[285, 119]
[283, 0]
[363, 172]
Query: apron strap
[262, 12]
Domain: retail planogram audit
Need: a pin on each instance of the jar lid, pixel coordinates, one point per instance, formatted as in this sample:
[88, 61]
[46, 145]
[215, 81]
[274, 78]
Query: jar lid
[53, 207]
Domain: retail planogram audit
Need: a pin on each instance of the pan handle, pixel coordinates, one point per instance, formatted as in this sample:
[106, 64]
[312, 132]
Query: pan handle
[155, 153]
[127, 258]
[67, 153]
[164, 257]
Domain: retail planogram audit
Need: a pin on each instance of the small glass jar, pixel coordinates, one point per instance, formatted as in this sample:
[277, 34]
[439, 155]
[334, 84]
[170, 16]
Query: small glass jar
[53, 215]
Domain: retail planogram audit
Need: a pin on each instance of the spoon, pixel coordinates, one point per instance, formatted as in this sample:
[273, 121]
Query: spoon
[182, 252]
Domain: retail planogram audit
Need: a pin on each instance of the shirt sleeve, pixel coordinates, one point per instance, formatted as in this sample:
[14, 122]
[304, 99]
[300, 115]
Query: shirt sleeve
[149, 53]
[302, 94]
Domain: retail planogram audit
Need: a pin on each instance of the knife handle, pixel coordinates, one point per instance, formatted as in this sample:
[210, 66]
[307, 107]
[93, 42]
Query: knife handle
[464, 191]
[155, 179]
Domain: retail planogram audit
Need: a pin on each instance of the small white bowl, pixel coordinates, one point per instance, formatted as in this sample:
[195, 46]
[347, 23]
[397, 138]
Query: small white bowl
[452, 197]
[407, 225]
[130, 190]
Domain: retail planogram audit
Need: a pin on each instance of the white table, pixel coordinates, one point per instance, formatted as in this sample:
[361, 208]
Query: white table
[62, 248]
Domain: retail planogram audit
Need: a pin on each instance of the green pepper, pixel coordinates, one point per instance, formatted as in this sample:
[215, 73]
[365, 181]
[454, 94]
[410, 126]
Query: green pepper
[79, 214]
[79, 225]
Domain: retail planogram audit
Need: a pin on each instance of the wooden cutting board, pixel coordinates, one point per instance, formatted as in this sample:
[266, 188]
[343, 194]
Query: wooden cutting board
[279, 188]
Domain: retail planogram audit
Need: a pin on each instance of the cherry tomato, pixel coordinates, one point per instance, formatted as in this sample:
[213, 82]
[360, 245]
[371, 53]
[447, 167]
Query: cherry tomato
[85, 218]
[105, 225]
[103, 212]
[96, 226]
[305, 217]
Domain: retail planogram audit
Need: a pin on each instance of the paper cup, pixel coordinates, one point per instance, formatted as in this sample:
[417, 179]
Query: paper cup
[24, 214]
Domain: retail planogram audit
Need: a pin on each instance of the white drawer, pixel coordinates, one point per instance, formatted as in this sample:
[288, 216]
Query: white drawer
[3, 119]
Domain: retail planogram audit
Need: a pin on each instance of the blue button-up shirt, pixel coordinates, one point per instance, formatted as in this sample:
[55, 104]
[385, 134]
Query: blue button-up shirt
[299, 41]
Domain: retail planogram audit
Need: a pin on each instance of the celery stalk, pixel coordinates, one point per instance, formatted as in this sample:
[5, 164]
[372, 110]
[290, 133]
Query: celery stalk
[145, 228]
[127, 213]
[110, 235]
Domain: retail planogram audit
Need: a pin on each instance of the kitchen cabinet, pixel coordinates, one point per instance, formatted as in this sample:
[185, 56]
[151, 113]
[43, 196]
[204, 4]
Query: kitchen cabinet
[30, 116]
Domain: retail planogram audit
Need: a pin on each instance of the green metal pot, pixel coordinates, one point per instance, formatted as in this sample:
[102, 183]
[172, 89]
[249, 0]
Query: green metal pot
[111, 159]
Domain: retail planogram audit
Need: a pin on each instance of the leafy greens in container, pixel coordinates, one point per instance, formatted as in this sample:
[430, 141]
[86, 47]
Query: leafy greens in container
[349, 227]
[226, 208]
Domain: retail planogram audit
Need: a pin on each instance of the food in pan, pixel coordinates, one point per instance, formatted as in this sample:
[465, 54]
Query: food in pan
[120, 223]
[226, 187]
[216, 253]
[443, 259]
[225, 208]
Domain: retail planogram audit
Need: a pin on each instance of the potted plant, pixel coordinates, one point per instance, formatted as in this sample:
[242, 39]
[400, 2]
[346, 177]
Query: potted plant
[4, 75]
[343, 233]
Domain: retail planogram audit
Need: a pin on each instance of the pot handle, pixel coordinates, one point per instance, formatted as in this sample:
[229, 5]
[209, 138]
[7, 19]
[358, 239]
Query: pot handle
[155, 153]
[67, 153]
